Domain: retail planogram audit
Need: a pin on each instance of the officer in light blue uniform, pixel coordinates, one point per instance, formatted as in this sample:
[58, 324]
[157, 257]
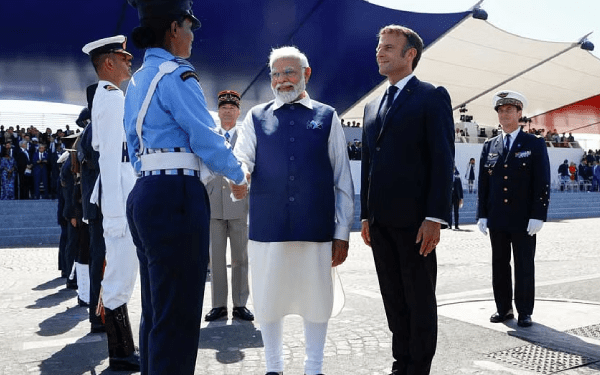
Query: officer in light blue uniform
[173, 145]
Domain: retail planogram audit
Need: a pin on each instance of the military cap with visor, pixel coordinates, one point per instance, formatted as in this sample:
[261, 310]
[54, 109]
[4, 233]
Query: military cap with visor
[150, 11]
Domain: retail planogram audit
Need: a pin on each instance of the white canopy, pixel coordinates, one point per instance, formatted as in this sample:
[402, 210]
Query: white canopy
[476, 59]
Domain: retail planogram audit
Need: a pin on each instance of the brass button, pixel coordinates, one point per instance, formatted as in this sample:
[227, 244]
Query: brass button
[506, 201]
[505, 189]
[505, 165]
[506, 177]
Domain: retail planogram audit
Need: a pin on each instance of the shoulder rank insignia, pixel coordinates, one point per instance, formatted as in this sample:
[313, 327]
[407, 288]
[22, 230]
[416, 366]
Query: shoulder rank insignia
[189, 74]
[110, 87]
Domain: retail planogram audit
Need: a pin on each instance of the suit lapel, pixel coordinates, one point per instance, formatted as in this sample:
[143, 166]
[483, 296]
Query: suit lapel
[233, 139]
[406, 92]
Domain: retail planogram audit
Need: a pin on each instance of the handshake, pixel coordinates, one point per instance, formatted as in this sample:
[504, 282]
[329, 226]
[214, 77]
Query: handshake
[240, 191]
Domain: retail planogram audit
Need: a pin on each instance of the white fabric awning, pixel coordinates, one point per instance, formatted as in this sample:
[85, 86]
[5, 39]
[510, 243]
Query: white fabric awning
[474, 59]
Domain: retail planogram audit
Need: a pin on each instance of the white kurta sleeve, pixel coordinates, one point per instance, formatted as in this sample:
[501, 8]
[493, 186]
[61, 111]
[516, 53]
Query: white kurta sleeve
[245, 146]
[342, 178]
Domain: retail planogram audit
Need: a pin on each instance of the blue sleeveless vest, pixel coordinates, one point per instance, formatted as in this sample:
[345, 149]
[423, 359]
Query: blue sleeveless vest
[292, 190]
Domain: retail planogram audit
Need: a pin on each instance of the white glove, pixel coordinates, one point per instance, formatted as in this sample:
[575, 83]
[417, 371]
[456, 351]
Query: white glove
[482, 225]
[534, 226]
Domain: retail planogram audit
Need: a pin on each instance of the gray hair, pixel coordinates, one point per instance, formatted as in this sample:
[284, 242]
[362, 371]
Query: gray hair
[287, 52]
[22, 143]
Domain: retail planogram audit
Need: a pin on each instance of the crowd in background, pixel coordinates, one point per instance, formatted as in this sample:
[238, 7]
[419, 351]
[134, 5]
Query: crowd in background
[28, 167]
[582, 177]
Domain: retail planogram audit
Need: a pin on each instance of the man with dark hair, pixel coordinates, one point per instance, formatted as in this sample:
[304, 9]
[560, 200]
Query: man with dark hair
[513, 197]
[407, 132]
[113, 65]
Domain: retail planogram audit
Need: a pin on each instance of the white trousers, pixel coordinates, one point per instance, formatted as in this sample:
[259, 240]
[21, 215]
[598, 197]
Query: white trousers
[314, 336]
[120, 272]
[83, 281]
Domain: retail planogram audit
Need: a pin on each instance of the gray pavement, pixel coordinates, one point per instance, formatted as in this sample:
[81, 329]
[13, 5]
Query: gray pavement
[42, 331]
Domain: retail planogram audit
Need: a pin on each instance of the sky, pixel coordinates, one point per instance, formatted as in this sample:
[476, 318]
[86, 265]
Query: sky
[548, 20]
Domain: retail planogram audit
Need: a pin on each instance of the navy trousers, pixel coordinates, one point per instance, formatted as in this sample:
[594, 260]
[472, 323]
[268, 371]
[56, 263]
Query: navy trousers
[169, 220]
[523, 248]
[97, 254]
[40, 174]
[407, 282]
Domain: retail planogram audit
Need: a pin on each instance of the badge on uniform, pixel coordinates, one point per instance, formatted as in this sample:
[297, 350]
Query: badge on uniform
[314, 125]
[522, 154]
[189, 74]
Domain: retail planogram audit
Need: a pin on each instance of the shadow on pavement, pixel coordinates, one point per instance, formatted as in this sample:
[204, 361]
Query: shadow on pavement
[55, 299]
[228, 340]
[550, 338]
[63, 321]
[51, 284]
[81, 357]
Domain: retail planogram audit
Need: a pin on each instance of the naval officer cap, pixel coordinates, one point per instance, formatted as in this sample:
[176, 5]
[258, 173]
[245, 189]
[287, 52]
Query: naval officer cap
[115, 44]
[507, 97]
[229, 97]
[150, 11]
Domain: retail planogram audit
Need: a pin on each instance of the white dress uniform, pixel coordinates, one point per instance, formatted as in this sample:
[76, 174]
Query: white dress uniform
[115, 181]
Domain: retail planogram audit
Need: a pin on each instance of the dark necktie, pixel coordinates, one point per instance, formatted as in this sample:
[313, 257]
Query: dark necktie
[506, 146]
[227, 136]
[389, 99]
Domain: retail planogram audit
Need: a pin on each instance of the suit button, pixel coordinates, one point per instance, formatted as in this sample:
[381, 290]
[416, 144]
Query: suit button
[292, 199]
[377, 148]
[292, 107]
[505, 189]
[292, 122]
[292, 178]
[505, 165]
[506, 201]
[292, 139]
[292, 158]
[506, 177]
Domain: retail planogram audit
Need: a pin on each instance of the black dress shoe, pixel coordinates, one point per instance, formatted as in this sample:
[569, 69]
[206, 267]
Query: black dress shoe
[242, 313]
[524, 320]
[98, 327]
[82, 303]
[499, 318]
[129, 363]
[274, 373]
[216, 313]
[71, 284]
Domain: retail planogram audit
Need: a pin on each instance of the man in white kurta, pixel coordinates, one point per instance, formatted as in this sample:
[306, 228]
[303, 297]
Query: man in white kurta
[116, 179]
[301, 207]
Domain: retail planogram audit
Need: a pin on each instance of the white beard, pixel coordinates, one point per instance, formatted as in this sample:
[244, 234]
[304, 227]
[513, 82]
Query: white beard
[289, 96]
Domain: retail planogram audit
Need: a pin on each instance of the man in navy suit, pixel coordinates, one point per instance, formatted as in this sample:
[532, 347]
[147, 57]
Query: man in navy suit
[40, 171]
[514, 192]
[595, 176]
[407, 164]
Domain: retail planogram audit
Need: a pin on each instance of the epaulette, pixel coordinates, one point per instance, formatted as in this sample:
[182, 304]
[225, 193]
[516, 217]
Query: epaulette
[181, 61]
[188, 73]
[110, 87]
